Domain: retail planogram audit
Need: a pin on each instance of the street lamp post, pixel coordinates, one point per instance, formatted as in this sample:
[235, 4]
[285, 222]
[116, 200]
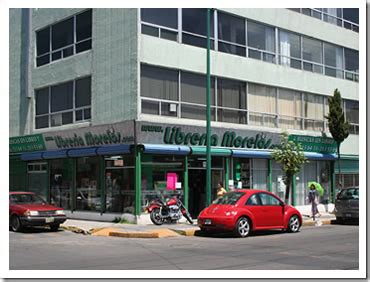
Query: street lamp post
[208, 133]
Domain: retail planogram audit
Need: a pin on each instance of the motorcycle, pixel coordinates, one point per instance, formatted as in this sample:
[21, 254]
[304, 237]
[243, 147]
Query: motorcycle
[168, 212]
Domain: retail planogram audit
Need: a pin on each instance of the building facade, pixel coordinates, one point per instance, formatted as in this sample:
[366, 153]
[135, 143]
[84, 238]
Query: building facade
[108, 106]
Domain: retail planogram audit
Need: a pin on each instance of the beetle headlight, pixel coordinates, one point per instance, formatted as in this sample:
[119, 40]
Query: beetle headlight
[59, 212]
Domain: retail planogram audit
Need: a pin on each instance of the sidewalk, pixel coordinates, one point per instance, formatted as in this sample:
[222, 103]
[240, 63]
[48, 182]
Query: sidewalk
[98, 228]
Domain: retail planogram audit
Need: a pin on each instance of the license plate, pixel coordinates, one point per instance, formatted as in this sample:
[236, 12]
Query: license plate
[208, 222]
[49, 219]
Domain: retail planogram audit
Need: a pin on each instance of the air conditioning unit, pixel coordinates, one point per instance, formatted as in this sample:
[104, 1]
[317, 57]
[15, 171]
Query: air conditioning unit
[173, 108]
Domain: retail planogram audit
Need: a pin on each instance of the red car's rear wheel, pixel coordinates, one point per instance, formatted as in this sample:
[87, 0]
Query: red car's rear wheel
[242, 227]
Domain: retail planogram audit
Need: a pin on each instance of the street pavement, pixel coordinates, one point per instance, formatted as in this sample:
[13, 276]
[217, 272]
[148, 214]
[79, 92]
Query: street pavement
[326, 247]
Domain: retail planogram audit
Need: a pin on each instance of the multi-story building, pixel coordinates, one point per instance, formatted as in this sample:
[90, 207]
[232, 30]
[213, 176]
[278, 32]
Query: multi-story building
[108, 106]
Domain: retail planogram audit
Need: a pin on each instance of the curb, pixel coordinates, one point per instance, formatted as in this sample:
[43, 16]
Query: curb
[75, 229]
[315, 223]
[134, 234]
[189, 232]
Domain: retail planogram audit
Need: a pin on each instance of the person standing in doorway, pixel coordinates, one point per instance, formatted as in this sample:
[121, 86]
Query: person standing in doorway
[220, 189]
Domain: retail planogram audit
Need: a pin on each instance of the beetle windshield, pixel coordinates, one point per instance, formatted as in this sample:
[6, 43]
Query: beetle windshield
[229, 198]
[26, 199]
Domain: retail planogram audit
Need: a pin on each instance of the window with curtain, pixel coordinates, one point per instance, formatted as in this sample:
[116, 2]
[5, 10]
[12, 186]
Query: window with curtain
[352, 115]
[313, 112]
[194, 88]
[333, 15]
[231, 94]
[231, 33]
[290, 109]
[159, 83]
[333, 60]
[262, 105]
[261, 39]
[312, 54]
[290, 49]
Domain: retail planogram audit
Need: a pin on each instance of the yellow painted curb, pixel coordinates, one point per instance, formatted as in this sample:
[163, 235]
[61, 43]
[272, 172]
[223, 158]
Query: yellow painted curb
[313, 223]
[164, 232]
[74, 229]
[188, 232]
[103, 231]
[134, 234]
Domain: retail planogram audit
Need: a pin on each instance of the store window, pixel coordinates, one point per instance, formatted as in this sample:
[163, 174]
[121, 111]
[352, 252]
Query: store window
[37, 173]
[290, 109]
[194, 27]
[351, 64]
[260, 174]
[61, 183]
[159, 22]
[261, 42]
[88, 196]
[290, 49]
[312, 55]
[231, 34]
[120, 184]
[58, 41]
[232, 99]
[313, 112]
[352, 115]
[162, 177]
[333, 60]
[65, 103]
[262, 105]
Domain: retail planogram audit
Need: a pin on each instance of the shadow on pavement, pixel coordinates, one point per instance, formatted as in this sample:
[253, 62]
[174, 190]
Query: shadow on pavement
[223, 234]
[30, 230]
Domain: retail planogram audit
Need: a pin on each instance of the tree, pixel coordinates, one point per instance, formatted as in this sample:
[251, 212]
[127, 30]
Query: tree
[291, 156]
[338, 126]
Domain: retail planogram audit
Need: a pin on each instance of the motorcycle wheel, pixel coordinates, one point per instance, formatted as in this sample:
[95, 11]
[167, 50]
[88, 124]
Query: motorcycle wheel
[155, 217]
[188, 217]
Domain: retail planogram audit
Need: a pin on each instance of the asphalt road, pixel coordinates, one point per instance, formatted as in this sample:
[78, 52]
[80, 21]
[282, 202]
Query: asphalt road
[313, 248]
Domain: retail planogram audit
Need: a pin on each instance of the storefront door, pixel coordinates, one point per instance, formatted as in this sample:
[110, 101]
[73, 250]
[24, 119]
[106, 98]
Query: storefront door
[38, 179]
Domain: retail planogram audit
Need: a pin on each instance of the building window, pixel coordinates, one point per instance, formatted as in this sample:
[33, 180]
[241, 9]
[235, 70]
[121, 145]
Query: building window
[65, 103]
[352, 115]
[351, 64]
[312, 55]
[261, 42]
[313, 112]
[231, 34]
[61, 183]
[346, 17]
[290, 49]
[194, 27]
[193, 96]
[64, 39]
[333, 60]
[232, 101]
[160, 23]
[290, 109]
[262, 105]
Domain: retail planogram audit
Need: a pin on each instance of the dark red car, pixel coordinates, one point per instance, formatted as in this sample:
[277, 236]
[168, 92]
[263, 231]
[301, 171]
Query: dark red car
[26, 209]
[243, 211]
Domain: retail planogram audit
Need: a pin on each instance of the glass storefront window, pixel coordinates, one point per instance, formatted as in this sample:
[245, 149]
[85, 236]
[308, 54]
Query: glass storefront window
[61, 183]
[162, 177]
[37, 178]
[87, 188]
[120, 184]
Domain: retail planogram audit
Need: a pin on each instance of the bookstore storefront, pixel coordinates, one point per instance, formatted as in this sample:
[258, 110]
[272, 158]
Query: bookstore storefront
[119, 168]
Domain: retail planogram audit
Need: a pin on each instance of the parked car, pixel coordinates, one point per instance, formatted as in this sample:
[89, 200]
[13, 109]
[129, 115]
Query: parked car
[27, 209]
[346, 204]
[244, 211]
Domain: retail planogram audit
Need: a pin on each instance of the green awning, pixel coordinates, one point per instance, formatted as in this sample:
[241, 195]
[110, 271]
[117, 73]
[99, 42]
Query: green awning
[201, 150]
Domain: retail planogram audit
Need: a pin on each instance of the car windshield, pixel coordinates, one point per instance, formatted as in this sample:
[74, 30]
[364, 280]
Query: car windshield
[26, 199]
[229, 198]
[349, 194]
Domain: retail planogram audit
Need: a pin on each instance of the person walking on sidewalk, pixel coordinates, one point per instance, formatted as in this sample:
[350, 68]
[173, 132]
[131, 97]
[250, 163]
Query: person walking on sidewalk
[313, 200]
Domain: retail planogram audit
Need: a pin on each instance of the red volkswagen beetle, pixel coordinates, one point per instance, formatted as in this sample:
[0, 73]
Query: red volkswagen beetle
[243, 211]
[28, 209]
